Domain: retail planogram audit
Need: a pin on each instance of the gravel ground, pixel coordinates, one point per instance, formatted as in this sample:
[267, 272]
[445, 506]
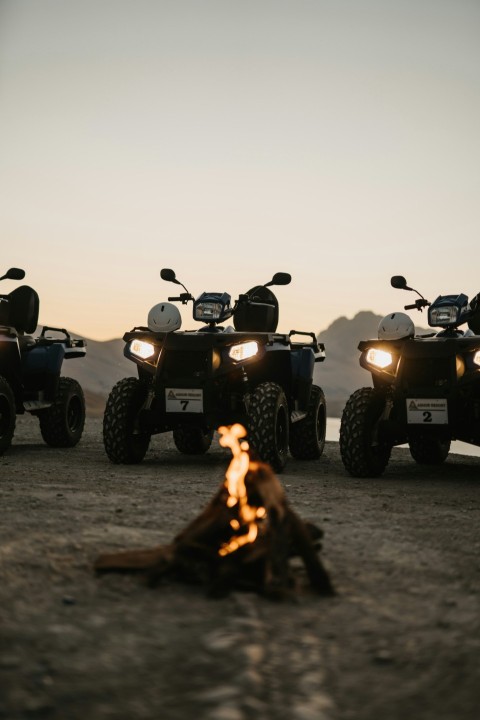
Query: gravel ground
[400, 639]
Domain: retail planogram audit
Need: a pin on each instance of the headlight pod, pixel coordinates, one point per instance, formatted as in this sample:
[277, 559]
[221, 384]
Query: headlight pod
[142, 349]
[476, 358]
[378, 358]
[443, 316]
[448, 311]
[243, 351]
[212, 307]
[208, 311]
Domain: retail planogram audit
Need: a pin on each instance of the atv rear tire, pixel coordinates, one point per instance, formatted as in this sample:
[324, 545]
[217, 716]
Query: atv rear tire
[8, 415]
[191, 440]
[428, 450]
[122, 439]
[307, 436]
[268, 424]
[363, 455]
[62, 424]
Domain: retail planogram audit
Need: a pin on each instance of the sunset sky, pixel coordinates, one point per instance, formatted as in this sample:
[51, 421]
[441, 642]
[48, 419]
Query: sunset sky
[338, 140]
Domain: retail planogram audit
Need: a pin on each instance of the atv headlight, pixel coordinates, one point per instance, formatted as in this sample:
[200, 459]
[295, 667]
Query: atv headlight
[476, 358]
[243, 351]
[142, 349]
[443, 316]
[379, 358]
[208, 311]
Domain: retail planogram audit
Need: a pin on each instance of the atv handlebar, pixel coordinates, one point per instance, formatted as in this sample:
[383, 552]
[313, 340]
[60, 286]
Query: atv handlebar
[183, 298]
[417, 305]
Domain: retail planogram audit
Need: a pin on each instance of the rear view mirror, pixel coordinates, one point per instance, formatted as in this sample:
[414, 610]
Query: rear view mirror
[14, 274]
[399, 282]
[168, 275]
[280, 278]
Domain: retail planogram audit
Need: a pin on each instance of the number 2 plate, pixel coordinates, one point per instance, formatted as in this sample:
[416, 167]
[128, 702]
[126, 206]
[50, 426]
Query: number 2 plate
[431, 411]
[178, 400]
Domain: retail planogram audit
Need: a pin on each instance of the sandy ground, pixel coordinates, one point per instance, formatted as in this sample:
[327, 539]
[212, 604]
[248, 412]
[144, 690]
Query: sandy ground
[400, 639]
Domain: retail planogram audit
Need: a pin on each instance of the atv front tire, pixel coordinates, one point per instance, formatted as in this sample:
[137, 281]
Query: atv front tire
[191, 440]
[124, 442]
[62, 424]
[8, 415]
[268, 424]
[428, 450]
[307, 436]
[362, 452]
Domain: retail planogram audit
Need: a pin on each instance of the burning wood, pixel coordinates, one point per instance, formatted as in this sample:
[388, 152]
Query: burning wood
[243, 539]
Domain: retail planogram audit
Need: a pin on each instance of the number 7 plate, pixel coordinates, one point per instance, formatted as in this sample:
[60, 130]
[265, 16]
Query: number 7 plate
[188, 400]
[432, 411]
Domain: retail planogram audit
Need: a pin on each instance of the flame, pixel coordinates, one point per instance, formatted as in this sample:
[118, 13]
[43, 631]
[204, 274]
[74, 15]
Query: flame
[237, 491]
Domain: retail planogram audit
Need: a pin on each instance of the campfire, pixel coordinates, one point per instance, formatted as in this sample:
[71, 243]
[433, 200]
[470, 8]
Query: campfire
[244, 539]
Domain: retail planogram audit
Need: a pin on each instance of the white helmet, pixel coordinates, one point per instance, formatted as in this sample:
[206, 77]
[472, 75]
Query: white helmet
[164, 317]
[396, 326]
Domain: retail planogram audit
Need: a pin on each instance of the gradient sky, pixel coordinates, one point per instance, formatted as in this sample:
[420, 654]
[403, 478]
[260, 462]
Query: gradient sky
[338, 140]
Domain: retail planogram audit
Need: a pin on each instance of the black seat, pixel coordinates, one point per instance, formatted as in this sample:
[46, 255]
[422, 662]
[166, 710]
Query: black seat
[19, 309]
[259, 313]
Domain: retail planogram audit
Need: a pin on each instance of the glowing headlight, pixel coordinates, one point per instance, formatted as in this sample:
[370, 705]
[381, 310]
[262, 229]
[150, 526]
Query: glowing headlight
[379, 358]
[142, 349]
[476, 358]
[208, 311]
[243, 351]
[443, 315]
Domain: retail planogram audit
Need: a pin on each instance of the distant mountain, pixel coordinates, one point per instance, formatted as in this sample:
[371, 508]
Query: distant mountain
[339, 375]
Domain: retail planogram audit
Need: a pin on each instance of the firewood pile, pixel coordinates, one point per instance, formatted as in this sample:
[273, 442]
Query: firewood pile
[244, 539]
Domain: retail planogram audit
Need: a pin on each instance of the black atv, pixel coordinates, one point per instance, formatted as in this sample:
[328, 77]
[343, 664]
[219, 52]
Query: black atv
[30, 371]
[426, 388]
[192, 382]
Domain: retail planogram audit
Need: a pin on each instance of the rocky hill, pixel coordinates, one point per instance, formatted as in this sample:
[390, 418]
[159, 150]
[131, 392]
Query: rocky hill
[339, 375]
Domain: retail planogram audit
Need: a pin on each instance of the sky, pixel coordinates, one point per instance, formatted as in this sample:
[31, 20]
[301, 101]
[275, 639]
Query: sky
[337, 140]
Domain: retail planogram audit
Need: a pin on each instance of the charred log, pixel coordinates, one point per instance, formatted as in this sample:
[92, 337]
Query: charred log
[205, 551]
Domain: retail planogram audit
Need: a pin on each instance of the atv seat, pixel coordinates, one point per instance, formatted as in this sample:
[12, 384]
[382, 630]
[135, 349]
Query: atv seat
[258, 313]
[19, 309]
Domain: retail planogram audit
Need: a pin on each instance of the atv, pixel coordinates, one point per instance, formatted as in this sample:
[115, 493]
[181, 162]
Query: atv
[426, 387]
[192, 382]
[30, 370]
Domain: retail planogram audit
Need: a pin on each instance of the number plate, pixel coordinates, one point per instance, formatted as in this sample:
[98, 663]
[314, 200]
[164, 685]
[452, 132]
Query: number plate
[421, 411]
[178, 400]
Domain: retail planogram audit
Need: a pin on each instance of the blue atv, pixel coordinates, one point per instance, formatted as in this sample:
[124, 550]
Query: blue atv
[192, 382]
[30, 371]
